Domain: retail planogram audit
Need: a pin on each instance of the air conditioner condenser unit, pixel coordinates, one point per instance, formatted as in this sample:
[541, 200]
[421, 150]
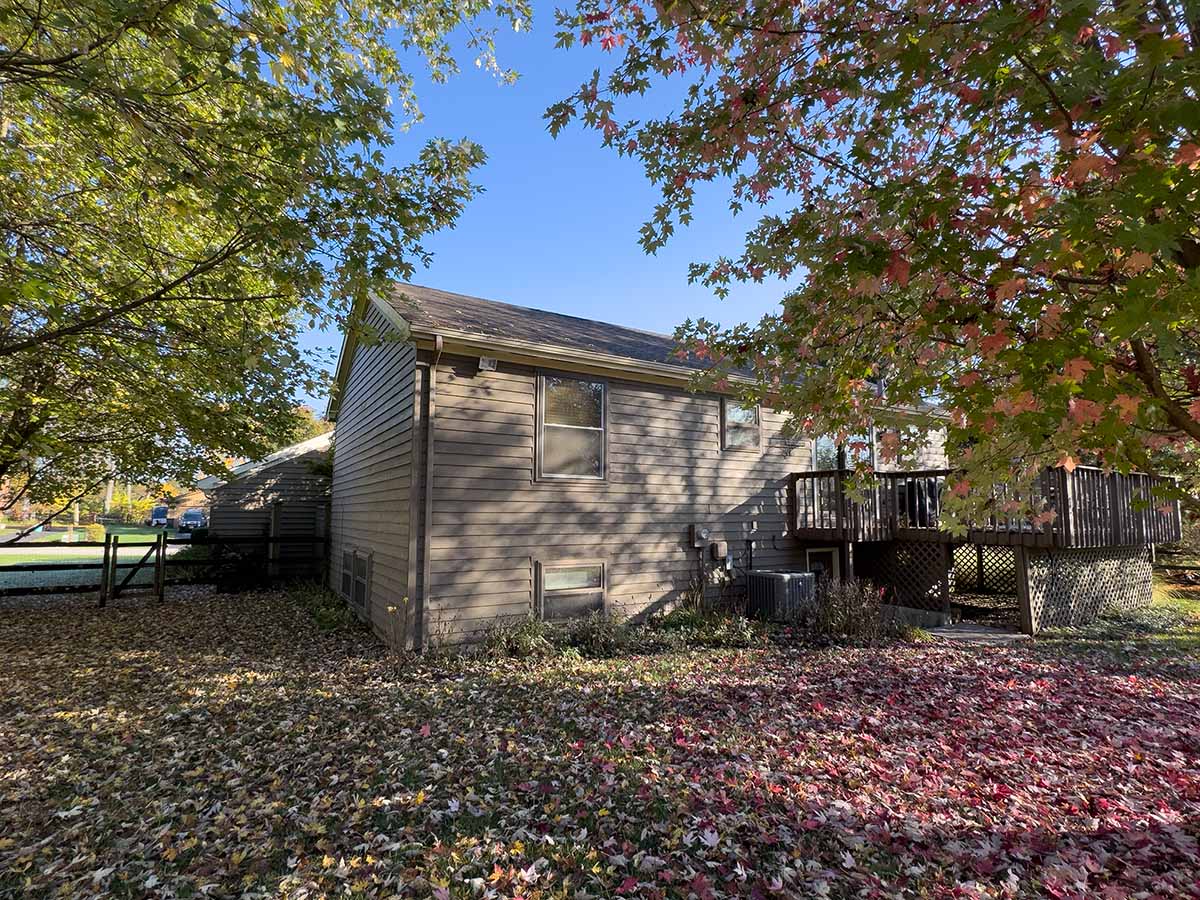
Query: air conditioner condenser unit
[779, 596]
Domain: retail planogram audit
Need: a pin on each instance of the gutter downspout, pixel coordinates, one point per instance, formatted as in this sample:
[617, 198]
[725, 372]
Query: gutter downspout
[427, 529]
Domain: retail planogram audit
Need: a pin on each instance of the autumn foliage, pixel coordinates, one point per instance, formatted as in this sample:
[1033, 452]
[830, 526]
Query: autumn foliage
[992, 206]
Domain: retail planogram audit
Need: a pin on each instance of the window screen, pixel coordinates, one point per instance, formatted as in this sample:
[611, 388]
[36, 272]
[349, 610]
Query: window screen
[741, 427]
[572, 428]
[571, 591]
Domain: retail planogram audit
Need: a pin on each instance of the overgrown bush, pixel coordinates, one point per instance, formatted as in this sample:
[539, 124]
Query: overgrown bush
[851, 610]
[94, 532]
[596, 635]
[519, 639]
[328, 610]
[692, 626]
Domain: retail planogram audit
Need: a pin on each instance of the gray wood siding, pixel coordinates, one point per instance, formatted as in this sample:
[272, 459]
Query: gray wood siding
[242, 508]
[666, 470]
[372, 475]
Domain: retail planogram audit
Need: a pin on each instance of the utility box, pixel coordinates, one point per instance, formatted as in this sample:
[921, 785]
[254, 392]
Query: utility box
[779, 596]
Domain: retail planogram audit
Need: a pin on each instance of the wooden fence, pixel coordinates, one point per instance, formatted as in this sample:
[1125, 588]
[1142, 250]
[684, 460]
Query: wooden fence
[232, 563]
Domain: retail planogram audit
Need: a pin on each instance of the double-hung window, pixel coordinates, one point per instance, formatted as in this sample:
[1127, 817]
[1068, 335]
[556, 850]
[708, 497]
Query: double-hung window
[571, 428]
[741, 428]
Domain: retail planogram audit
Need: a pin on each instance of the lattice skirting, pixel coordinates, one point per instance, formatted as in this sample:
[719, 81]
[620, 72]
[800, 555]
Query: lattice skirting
[1072, 587]
[985, 570]
[918, 575]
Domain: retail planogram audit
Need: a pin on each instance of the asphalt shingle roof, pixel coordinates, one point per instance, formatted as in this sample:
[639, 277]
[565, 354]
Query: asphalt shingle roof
[428, 308]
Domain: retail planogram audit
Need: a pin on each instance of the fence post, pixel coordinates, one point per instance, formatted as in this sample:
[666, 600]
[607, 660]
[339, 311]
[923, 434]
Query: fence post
[160, 568]
[113, 590]
[273, 545]
[103, 599]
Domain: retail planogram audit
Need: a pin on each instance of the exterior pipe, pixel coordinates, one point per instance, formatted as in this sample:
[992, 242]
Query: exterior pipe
[427, 535]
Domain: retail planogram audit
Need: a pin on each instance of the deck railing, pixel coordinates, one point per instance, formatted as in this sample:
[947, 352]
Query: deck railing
[1094, 508]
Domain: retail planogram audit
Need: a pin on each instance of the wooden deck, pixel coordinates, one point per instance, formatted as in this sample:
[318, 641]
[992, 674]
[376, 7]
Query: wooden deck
[1094, 508]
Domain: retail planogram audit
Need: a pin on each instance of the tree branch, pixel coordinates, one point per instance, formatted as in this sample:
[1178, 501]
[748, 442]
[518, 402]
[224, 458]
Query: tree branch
[229, 250]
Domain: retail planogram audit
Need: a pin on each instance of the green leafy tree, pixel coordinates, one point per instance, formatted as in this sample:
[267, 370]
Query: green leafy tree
[992, 205]
[306, 424]
[185, 185]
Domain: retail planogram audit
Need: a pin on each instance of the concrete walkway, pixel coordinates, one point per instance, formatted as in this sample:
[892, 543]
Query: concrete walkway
[971, 633]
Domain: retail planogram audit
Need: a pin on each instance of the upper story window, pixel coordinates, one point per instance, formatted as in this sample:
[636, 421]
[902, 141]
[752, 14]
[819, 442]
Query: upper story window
[741, 428]
[571, 428]
[824, 453]
[858, 448]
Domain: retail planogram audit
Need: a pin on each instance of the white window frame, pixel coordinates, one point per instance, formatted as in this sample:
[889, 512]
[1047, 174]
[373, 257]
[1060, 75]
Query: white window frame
[539, 474]
[725, 447]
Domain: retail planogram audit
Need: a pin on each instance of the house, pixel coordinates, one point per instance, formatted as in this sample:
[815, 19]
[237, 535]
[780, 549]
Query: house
[494, 461]
[283, 495]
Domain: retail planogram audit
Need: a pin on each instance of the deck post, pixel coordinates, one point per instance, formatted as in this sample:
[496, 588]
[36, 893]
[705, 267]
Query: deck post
[1116, 538]
[1066, 501]
[1024, 601]
[947, 573]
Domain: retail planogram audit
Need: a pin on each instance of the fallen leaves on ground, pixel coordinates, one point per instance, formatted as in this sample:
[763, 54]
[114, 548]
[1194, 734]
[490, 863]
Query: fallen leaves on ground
[226, 747]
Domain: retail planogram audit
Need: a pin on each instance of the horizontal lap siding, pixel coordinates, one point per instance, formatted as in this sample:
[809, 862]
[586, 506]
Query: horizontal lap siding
[242, 508]
[491, 520]
[372, 473]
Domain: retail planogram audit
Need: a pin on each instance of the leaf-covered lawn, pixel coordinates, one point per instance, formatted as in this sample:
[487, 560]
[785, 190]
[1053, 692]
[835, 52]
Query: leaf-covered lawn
[228, 748]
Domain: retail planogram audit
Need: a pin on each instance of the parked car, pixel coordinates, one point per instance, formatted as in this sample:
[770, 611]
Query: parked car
[158, 517]
[191, 520]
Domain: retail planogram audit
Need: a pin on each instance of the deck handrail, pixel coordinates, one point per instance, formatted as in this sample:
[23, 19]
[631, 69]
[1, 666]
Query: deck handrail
[1094, 508]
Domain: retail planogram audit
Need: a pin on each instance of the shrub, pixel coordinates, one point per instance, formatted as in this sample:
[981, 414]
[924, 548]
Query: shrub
[329, 611]
[914, 634]
[689, 625]
[596, 635]
[851, 609]
[520, 639]
[94, 532]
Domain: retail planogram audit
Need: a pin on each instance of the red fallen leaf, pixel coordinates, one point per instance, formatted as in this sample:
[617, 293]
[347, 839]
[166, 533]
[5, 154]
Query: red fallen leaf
[426, 730]
[700, 887]
[628, 885]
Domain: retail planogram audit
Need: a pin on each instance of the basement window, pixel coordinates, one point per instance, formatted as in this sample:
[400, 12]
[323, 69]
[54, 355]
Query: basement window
[347, 573]
[571, 428]
[362, 580]
[570, 591]
[356, 578]
[741, 428]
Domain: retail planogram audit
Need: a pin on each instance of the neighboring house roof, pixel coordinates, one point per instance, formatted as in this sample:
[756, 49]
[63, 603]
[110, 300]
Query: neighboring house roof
[318, 444]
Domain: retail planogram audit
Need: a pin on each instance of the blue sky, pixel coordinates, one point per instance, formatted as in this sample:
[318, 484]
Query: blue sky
[557, 225]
